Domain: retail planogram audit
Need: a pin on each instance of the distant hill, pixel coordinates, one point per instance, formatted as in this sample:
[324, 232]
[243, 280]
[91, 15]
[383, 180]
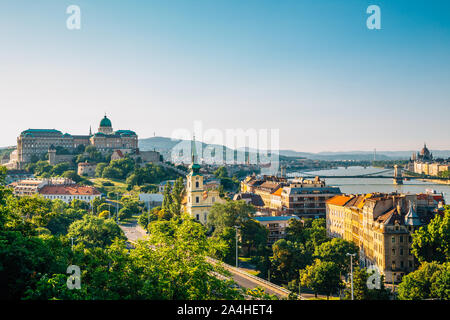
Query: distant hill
[362, 155]
[6, 150]
[165, 145]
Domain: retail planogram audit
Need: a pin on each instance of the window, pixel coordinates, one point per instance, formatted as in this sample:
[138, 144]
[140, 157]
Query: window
[196, 184]
[393, 251]
[401, 238]
[198, 217]
[197, 199]
[393, 239]
[401, 264]
[401, 252]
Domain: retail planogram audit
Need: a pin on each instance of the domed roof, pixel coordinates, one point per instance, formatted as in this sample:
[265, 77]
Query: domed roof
[424, 150]
[105, 122]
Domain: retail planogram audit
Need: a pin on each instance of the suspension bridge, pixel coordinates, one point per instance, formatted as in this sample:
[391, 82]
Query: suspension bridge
[396, 175]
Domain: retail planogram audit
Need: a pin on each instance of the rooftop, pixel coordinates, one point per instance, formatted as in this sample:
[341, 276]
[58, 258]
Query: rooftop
[69, 190]
[339, 200]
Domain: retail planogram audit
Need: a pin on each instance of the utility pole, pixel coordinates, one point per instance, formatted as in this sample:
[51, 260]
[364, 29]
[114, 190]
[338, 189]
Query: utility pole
[72, 238]
[237, 256]
[148, 216]
[351, 269]
[117, 208]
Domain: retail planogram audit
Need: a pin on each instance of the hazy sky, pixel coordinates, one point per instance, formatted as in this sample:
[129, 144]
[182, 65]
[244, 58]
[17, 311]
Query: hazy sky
[309, 68]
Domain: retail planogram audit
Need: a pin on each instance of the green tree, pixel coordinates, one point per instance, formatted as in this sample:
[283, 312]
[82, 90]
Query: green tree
[60, 168]
[167, 199]
[253, 236]
[24, 258]
[431, 280]
[72, 175]
[99, 169]
[3, 172]
[183, 271]
[288, 259]
[336, 251]
[177, 197]
[146, 217]
[322, 277]
[295, 231]
[431, 242]
[225, 249]
[95, 232]
[59, 222]
[229, 214]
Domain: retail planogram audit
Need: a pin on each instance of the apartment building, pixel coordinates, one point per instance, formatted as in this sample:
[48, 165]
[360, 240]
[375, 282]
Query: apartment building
[382, 226]
[300, 197]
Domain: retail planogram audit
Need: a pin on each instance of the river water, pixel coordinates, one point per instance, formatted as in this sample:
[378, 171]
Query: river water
[368, 185]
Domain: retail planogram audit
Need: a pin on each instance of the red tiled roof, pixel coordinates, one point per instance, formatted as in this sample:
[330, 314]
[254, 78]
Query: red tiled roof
[70, 190]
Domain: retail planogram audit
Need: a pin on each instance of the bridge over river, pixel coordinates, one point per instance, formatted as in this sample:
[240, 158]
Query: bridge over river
[395, 175]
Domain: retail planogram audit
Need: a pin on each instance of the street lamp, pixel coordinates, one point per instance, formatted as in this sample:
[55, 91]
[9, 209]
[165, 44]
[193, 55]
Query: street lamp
[237, 259]
[351, 269]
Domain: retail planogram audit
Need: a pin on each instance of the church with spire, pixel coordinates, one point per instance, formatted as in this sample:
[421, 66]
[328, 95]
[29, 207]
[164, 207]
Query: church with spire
[200, 196]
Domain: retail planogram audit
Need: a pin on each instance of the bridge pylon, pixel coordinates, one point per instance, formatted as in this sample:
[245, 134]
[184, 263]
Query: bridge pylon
[397, 175]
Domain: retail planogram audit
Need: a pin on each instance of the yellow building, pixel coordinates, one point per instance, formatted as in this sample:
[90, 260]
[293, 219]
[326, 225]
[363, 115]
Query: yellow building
[381, 225]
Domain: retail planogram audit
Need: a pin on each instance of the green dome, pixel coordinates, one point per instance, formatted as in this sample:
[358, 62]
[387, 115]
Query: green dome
[105, 122]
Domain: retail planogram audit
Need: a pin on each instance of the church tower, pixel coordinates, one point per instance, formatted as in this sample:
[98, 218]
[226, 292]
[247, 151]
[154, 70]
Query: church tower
[199, 199]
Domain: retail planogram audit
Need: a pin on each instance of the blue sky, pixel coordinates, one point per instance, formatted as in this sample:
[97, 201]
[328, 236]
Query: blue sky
[311, 69]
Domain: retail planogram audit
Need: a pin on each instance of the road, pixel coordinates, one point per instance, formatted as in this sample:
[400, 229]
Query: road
[133, 231]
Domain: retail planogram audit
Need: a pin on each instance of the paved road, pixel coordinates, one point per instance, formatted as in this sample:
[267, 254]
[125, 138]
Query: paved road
[133, 231]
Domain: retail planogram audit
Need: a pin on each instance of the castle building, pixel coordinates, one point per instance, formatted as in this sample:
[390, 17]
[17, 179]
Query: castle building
[199, 197]
[33, 143]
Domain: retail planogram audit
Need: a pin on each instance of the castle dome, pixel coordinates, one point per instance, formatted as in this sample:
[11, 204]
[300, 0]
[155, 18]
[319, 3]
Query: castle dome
[105, 122]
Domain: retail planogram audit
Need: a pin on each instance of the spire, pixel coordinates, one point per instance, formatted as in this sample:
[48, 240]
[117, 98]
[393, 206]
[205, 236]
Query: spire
[411, 218]
[90, 130]
[194, 151]
[195, 168]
